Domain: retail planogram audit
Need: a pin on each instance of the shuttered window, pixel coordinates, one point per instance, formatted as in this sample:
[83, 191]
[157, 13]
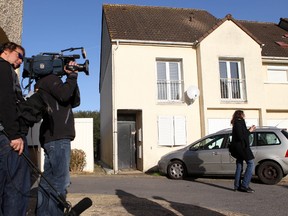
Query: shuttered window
[277, 74]
[172, 130]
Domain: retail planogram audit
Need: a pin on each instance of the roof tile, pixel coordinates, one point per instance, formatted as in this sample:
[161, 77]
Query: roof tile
[147, 23]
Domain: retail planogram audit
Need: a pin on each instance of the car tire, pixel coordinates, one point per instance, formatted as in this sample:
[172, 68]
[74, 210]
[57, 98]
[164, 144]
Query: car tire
[269, 173]
[176, 170]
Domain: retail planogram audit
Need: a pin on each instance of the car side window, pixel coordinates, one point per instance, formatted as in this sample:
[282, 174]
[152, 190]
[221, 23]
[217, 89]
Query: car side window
[267, 138]
[251, 140]
[214, 142]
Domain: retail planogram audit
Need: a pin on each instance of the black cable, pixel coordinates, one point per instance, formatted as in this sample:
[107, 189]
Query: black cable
[59, 196]
[68, 210]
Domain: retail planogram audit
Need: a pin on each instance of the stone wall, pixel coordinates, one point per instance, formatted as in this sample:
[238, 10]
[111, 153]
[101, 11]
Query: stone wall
[11, 14]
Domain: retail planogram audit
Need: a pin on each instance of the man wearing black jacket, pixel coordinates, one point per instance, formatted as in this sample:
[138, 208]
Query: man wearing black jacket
[56, 132]
[14, 171]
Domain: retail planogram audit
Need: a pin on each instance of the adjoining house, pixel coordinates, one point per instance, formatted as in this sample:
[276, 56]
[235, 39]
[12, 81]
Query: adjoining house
[171, 75]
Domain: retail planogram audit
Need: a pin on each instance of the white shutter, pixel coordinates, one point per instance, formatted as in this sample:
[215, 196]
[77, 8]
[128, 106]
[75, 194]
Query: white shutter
[215, 125]
[165, 130]
[251, 121]
[180, 130]
[280, 123]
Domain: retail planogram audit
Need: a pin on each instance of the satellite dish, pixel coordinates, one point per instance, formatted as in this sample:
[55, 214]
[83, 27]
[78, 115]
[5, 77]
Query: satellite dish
[193, 93]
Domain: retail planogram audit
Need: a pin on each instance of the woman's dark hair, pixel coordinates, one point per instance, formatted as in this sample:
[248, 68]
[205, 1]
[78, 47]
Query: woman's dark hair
[238, 114]
[11, 46]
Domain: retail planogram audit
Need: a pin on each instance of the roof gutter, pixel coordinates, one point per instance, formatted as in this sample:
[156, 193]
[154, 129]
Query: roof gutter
[154, 42]
[273, 59]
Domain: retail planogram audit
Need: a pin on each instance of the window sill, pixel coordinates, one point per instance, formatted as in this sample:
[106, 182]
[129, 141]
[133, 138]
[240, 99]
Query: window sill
[233, 101]
[269, 82]
[170, 102]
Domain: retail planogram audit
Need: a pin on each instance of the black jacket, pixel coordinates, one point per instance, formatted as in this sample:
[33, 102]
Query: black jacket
[60, 97]
[10, 95]
[240, 147]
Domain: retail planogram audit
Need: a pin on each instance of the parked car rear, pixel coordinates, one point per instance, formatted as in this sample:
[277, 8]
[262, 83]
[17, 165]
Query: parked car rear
[210, 156]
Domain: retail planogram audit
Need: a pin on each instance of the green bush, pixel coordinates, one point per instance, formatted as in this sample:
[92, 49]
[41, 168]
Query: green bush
[78, 160]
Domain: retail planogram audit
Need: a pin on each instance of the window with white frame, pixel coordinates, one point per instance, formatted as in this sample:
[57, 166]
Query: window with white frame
[277, 74]
[232, 82]
[172, 130]
[169, 81]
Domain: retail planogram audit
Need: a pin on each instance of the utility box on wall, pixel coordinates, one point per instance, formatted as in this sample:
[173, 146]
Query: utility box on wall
[83, 141]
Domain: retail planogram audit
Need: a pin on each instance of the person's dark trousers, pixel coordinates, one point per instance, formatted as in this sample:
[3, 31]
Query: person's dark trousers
[238, 173]
[14, 180]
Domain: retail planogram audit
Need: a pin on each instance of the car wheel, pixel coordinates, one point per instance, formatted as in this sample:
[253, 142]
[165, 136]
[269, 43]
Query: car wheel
[269, 173]
[176, 170]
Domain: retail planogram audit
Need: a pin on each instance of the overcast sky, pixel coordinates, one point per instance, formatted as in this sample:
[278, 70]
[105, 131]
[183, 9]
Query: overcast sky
[54, 25]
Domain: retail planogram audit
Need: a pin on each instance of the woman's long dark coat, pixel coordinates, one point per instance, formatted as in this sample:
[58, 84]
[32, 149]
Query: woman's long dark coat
[240, 148]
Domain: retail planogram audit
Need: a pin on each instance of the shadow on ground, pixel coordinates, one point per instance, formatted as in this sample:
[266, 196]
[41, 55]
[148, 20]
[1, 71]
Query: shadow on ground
[158, 206]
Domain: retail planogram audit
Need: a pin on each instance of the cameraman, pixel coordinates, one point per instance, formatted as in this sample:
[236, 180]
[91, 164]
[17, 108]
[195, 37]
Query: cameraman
[14, 171]
[56, 132]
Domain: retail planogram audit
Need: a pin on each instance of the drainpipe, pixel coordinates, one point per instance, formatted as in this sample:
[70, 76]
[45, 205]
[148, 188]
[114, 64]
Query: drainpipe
[114, 113]
[202, 107]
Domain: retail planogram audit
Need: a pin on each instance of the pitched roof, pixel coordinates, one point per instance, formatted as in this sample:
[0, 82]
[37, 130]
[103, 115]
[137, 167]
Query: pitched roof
[221, 21]
[271, 35]
[156, 23]
[147, 23]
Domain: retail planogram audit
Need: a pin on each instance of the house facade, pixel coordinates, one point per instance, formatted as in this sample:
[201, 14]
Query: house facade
[169, 76]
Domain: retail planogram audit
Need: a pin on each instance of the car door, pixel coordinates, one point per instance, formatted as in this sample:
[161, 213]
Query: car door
[229, 162]
[204, 157]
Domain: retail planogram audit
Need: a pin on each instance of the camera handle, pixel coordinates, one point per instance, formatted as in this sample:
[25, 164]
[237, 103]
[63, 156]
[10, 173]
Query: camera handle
[71, 67]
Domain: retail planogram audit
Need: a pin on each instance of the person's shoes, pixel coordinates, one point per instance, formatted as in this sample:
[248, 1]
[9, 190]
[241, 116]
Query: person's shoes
[247, 190]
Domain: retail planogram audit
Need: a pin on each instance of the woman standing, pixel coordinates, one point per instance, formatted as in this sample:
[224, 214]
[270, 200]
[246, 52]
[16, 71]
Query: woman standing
[240, 149]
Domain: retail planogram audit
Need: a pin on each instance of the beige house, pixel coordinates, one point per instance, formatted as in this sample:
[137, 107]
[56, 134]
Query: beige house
[171, 75]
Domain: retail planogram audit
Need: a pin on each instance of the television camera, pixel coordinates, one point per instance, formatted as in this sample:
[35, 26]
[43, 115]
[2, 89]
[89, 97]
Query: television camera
[53, 63]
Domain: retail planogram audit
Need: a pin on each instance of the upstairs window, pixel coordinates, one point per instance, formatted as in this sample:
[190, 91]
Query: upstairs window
[169, 81]
[277, 74]
[232, 82]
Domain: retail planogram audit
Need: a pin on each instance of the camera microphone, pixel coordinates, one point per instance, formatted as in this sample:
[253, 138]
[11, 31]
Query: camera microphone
[80, 207]
[83, 51]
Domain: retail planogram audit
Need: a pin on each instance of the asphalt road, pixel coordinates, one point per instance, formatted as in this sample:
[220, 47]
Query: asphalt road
[156, 195]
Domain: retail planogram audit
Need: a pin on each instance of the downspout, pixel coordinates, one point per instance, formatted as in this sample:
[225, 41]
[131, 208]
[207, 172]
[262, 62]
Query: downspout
[114, 113]
[202, 112]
